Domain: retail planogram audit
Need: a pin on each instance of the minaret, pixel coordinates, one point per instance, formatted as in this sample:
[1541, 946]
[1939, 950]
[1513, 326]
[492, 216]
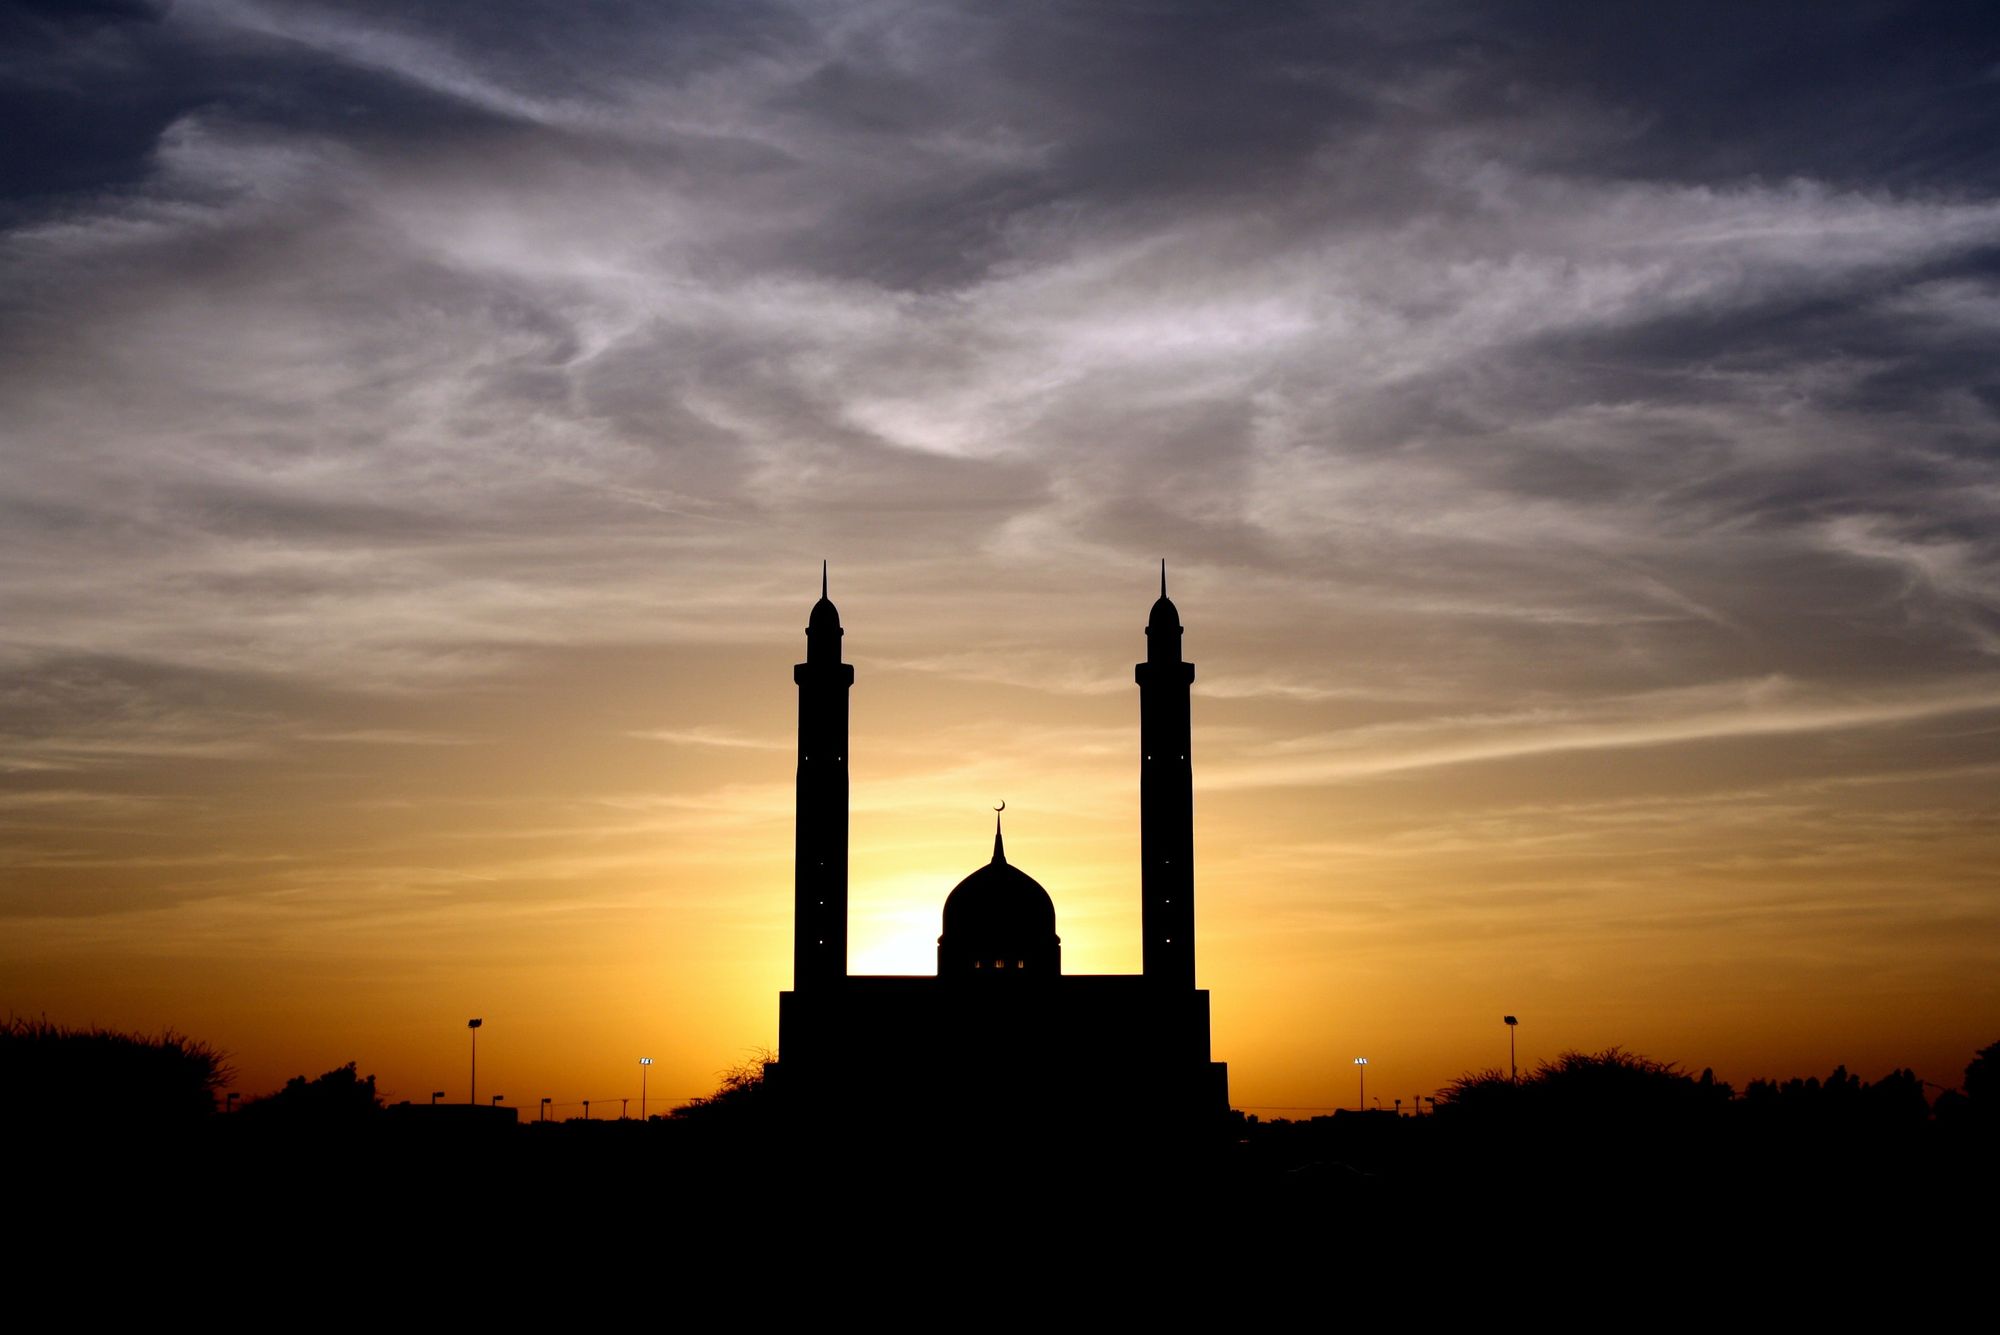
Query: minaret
[1166, 799]
[819, 906]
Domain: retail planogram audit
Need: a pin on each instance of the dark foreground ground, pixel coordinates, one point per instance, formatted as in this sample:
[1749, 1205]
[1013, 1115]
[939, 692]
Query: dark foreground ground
[1605, 1222]
[1599, 1191]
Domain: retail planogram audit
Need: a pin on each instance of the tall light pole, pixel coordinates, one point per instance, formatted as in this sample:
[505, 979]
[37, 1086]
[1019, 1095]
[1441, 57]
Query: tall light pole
[1361, 1066]
[545, 1108]
[644, 1062]
[1513, 1071]
[472, 1096]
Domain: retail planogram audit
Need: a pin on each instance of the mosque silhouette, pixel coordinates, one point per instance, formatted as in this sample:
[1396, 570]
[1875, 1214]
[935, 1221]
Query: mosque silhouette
[1000, 1034]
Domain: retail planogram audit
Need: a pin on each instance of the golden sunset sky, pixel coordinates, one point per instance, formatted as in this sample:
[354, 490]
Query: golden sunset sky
[1572, 441]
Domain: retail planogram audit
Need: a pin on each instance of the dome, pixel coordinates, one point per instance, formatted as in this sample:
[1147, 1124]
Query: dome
[999, 918]
[999, 902]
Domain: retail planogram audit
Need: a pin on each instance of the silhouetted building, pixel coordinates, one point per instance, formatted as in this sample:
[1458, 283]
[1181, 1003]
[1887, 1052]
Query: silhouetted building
[1001, 1034]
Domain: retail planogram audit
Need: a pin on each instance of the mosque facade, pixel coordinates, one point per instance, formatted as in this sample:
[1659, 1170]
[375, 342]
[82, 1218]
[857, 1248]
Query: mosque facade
[1000, 1031]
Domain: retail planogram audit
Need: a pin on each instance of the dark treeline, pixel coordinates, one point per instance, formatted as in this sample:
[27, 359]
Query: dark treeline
[54, 1077]
[1610, 1146]
[1590, 1124]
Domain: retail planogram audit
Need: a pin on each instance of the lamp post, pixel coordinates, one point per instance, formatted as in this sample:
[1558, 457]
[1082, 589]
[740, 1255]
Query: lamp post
[1361, 1067]
[545, 1109]
[586, 1110]
[472, 1095]
[229, 1104]
[497, 1098]
[644, 1062]
[1513, 1071]
[436, 1094]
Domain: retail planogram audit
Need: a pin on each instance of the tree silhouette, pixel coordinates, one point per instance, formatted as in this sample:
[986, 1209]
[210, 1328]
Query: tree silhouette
[1982, 1080]
[340, 1097]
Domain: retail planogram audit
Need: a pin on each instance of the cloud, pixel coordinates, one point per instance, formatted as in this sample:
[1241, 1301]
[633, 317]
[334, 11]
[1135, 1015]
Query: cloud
[710, 736]
[1460, 364]
[1681, 715]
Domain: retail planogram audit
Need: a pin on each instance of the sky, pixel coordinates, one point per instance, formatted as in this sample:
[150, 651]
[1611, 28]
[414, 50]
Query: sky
[1570, 428]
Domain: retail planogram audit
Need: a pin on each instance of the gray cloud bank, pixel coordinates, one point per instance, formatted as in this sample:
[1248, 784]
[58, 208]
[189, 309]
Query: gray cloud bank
[1472, 354]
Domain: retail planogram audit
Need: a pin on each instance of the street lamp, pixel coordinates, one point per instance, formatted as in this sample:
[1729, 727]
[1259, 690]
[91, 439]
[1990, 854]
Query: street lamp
[435, 1096]
[229, 1104]
[1362, 1064]
[586, 1110]
[545, 1110]
[472, 1095]
[496, 1100]
[1513, 1071]
[644, 1062]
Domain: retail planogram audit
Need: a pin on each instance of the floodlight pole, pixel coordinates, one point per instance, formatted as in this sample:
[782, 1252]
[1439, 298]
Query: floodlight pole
[1361, 1065]
[1513, 1070]
[645, 1065]
[472, 1094]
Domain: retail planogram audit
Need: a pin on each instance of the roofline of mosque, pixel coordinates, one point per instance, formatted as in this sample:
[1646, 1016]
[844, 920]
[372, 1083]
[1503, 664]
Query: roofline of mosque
[911, 981]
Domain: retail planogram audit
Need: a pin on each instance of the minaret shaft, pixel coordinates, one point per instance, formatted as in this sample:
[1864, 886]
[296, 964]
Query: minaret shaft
[819, 904]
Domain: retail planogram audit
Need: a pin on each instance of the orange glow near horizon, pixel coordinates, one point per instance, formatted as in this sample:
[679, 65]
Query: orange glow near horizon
[596, 861]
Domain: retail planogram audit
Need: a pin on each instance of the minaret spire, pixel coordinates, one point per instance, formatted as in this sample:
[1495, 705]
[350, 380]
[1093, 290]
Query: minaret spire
[1163, 577]
[822, 578]
[999, 849]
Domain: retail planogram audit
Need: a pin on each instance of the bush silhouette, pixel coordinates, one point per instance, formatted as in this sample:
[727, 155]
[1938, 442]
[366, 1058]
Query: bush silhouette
[53, 1075]
[739, 1097]
[1613, 1083]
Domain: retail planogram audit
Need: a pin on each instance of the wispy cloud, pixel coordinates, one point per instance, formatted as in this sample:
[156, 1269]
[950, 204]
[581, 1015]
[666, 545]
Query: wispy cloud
[710, 736]
[1728, 710]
